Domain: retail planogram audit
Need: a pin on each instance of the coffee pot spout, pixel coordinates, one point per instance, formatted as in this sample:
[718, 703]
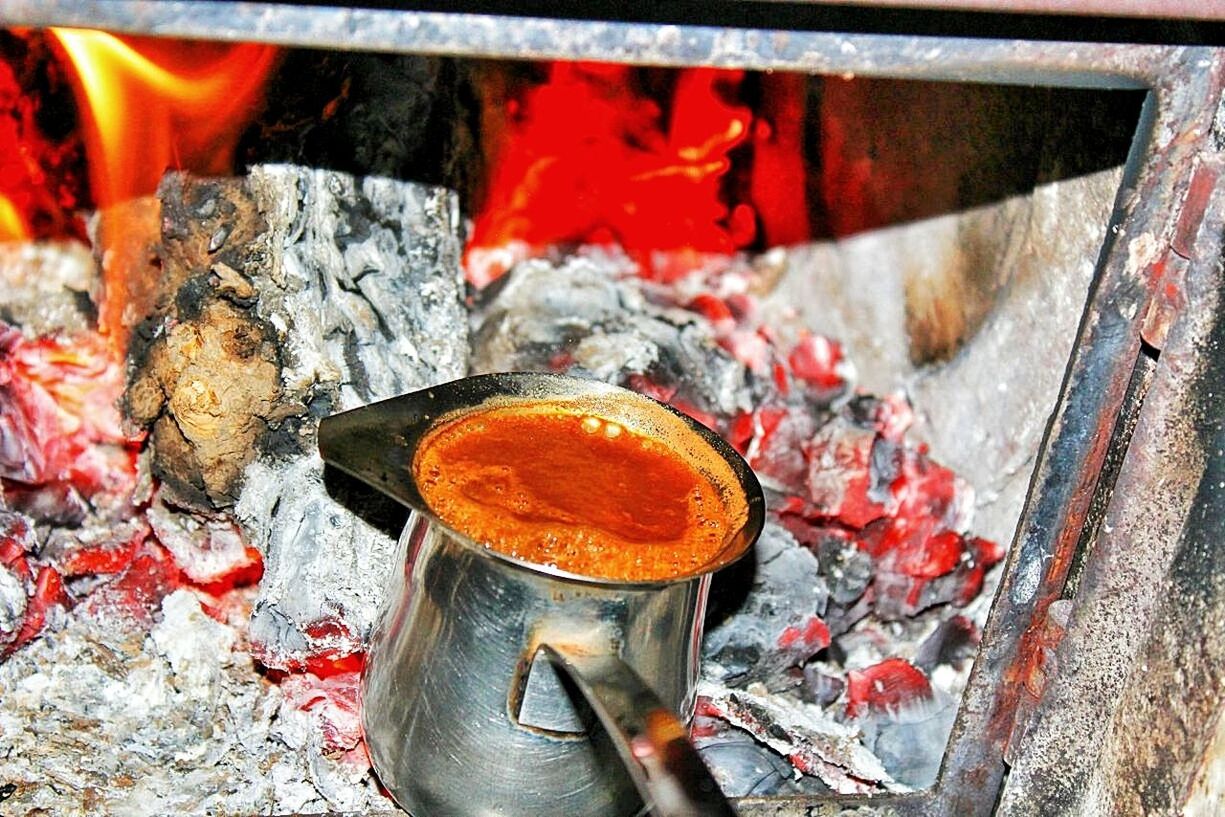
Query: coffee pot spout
[376, 443]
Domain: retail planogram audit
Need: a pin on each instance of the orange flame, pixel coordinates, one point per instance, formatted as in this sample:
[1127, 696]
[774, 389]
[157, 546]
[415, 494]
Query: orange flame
[152, 105]
[590, 155]
[158, 104]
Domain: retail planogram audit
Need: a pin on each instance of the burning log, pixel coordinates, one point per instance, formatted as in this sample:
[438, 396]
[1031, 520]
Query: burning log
[284, 297]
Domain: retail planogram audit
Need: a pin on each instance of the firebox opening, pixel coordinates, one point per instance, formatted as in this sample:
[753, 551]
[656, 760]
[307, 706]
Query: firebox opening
[870, 286]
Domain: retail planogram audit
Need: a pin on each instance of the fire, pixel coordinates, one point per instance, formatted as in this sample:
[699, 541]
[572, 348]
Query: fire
[590, 155]
[152, 105]
[158, 104]
[38, 171]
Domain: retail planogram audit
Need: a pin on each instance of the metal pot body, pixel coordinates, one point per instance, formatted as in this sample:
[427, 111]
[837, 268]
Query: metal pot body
[461, 716]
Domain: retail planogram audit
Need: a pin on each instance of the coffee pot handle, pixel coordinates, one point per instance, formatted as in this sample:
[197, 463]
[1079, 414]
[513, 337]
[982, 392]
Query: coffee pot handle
[651, 740]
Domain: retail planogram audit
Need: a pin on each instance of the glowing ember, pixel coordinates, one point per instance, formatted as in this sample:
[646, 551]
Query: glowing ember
[59, 422]
[28, 592]
[38, 174]
[890, 685]
[590, 156]
[152, 105]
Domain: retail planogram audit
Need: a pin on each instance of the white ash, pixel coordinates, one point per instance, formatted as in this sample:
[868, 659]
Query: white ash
[102, 719]
[207, 549]
[47, 286]
[366, 294]
[832, 751]
[593, 310]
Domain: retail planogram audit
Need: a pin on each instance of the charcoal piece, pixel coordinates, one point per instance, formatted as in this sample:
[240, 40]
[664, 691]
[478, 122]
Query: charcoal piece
[367, 290]
[953, 642]
[821, 687]
[588, 316]
[814, 743]
[863, 410]
[846, 568]
[910, 740]
[839, 480]
[779, 624]
[777, 449]
[885, 466]
[842, 617]
[907, 582]
[743, 767]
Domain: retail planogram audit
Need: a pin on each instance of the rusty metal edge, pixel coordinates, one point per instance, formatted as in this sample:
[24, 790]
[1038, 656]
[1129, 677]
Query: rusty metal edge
[1144, 633]
[1185, 86]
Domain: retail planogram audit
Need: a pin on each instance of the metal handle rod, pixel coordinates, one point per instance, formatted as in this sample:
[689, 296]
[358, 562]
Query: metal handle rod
[669, 774]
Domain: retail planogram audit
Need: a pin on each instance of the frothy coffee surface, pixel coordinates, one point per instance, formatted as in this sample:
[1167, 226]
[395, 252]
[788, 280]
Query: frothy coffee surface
[558, 485]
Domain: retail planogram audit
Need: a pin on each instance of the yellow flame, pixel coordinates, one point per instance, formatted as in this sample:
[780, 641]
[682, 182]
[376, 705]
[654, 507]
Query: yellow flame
[12, 225]
[153, 104]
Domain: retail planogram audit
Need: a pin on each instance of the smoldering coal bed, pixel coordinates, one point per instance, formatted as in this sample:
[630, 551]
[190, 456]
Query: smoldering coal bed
[870, 287]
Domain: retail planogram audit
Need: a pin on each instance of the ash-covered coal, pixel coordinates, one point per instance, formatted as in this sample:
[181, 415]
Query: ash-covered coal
[104, 717]
[867, 550]
[589, 316]
[778, 625]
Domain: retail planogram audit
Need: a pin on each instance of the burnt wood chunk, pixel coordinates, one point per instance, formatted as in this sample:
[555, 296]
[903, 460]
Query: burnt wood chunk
[207, 375]
[286, 296]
